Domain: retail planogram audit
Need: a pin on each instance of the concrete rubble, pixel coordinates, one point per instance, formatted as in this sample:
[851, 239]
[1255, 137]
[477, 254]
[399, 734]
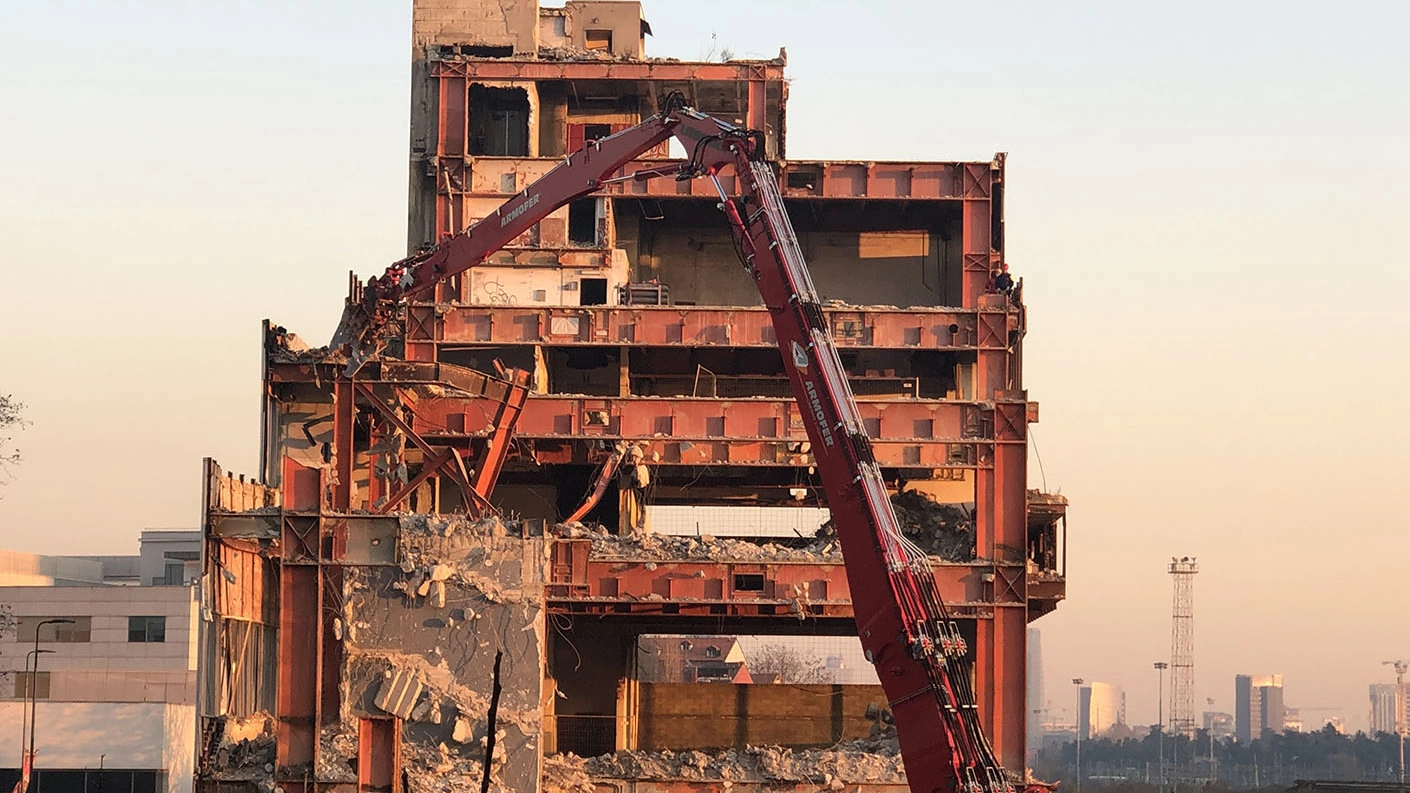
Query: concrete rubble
[876, 761]
[421, 637]
[244, 750]
[943, 531]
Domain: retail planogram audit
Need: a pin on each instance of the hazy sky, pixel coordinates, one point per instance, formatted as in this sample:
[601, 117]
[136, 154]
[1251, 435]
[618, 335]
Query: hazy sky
[1207, 202]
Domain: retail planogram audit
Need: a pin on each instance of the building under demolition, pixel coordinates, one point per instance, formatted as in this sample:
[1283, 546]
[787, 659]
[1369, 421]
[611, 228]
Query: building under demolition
[421, 582]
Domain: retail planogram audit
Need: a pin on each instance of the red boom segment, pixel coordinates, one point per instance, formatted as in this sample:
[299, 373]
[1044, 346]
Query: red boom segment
[919, 655]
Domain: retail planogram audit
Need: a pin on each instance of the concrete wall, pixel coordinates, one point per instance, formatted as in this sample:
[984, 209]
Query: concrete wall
[109, 668]
[446, 641]
[156, 544]
[623, 19]
[32, 570]
[722, 715]
[129, 736]
[492, 23]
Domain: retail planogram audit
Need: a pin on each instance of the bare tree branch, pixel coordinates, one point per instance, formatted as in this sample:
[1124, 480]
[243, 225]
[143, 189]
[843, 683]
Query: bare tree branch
[11, 419]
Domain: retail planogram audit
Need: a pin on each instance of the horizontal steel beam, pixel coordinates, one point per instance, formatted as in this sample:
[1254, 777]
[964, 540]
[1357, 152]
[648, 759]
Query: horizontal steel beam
[513, 69]
[698, 326]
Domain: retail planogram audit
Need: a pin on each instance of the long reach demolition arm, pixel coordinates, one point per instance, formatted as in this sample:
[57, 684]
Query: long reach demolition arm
[906, 632]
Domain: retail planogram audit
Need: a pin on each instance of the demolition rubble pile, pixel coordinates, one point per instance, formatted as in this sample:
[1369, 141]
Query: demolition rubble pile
[243, 749]
[854, 762]
[941, 530]
[703, 548]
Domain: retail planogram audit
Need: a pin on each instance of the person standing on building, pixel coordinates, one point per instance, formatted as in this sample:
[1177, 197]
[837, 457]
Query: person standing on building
[632, 481]
[1003, 281]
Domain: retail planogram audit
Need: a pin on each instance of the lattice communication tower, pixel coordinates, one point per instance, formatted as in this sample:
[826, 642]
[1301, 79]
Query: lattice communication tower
[1182, 647]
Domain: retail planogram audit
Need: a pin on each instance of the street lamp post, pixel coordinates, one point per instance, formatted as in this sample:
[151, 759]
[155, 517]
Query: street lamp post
[34, 685]
[1160, 667]
[1210, 702]
[1077, 684]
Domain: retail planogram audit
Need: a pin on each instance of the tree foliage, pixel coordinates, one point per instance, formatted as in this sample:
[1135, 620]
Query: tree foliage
[1273, 759]
[788, 663]
[11, 420]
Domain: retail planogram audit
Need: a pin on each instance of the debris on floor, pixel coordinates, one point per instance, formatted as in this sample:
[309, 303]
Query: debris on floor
[941, 530]
[853, 762]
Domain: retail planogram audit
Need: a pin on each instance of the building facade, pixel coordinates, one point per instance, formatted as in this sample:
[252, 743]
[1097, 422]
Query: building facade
[1384, 707]
[622, 321]
[1035, 703]
[1219, 725]
[1101, 706]
[115, 691]
[1258, 706]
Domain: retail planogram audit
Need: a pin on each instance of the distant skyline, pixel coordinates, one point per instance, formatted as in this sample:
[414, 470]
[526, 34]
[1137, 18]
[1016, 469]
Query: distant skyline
[1206, 203]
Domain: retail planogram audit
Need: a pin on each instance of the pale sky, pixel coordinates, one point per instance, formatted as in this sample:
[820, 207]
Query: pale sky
[1207, 202]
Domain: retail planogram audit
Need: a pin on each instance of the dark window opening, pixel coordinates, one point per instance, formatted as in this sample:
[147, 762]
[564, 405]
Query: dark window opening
[802, 179]
[582, 222]
[594, 292]
[27, 682]
[586, 735]
[499, 121]
[76, 629]
[592, 132]
[749, 582]
[146, 629]
[598, 40]
[173, 575]
[484, 50]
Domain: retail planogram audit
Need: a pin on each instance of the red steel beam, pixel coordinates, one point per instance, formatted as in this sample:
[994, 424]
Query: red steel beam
[533, 70]
[379, 756]
[296, 731]
[344, 411]
[501, 437]
[462, 177]
[987, 327]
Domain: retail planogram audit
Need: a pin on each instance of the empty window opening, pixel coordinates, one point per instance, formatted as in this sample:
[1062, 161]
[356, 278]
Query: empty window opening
[582, 222]
[483, 50]
[803, 179]
[72, 629]
[173, 574]
[29, 684]
[749, 582]
[146, 629]
[593, 292]
[499, 121]
[592, 132]
[597, 40]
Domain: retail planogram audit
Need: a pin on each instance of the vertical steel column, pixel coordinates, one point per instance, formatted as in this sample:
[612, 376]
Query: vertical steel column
[296, 732]
[758, 116]
[452, 159]
[344, 411]
[378, 758]
[977, 236]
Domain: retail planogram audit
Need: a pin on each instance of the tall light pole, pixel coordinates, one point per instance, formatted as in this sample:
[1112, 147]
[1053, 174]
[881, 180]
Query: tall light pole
[1401, 667]
[1077, 684]
[34, 685]
[1210, 729]
[1160, 667]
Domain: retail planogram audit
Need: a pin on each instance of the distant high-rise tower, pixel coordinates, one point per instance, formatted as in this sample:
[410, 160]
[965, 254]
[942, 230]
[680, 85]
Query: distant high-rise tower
[1182, 647]
[1036, 703]
[1258, 706]
[1383, 706]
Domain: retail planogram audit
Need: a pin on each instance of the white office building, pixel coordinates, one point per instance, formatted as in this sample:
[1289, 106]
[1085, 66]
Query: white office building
[115, 692]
